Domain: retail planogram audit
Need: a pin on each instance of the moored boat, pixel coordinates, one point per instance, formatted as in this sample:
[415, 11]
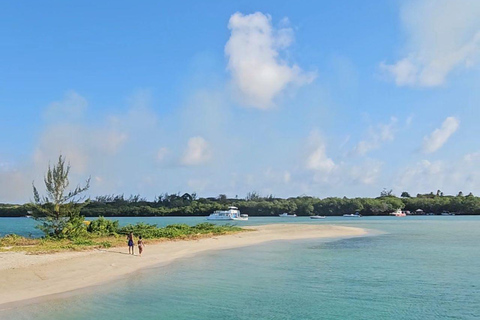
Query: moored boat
[352, 215]
[398, 213]
[317, 217]
[287, 215]
[231, 214]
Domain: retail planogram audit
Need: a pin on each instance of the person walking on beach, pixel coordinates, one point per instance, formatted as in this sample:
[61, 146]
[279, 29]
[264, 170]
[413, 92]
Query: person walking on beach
[131, 245]
[140, 245]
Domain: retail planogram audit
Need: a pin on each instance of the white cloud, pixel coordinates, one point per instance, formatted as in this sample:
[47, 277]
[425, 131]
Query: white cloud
[317, 158]
[197, 152]
[366, 173]
[376, 136]
[106, 149]
[443, 35]
[449, 176]
[70, 108]
[439, 136]
[258, 71]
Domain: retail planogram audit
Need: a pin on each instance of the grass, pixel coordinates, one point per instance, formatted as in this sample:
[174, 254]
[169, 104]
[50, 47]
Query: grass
[151, 233]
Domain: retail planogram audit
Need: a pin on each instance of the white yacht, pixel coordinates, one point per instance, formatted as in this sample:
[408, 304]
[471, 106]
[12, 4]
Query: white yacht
[352, 215]
[231, 214]
[317, 217]
[287, 215]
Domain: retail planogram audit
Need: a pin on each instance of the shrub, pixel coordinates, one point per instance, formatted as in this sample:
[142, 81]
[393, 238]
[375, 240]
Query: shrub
[103, 227]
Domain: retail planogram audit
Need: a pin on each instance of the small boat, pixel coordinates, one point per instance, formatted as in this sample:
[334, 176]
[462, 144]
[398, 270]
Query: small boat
[287, 215]
[231, 214]
[352, 215]
[398, 213]
[447, 213]
[317, 217]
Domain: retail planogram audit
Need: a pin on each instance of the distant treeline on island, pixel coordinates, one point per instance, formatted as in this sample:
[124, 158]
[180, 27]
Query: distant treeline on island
[255, 205]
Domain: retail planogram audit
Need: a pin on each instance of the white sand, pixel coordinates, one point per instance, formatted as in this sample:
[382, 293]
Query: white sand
[25, 277]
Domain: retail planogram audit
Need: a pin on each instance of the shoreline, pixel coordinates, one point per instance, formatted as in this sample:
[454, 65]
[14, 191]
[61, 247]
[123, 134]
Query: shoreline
[31, 277]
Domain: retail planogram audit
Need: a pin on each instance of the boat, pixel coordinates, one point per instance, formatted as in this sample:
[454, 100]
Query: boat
[352, 215]
[447, 213]
[231, 214]
[287, 215]
[398, 213]
[317, 217]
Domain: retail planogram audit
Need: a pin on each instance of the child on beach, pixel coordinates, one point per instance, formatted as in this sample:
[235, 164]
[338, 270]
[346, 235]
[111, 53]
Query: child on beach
[140, 245]
[131, 245]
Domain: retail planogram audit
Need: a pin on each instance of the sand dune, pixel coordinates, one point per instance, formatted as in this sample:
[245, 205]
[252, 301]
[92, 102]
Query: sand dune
[25, 277]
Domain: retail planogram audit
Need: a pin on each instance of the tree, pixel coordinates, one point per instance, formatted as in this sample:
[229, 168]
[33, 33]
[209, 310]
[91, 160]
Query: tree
[405, 194]
[59, 210]
[253, 196]
[386, 193]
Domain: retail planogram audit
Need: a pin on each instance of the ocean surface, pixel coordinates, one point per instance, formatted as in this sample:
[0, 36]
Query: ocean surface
[408, 268]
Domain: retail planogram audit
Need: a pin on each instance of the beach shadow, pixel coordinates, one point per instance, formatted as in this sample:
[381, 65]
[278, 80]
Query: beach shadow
[110, 251]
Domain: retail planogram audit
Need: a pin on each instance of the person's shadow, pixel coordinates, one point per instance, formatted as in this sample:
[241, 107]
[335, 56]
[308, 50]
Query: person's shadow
[110, 251]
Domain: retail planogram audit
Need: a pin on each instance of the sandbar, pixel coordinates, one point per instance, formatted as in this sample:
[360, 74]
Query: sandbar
[24, 277]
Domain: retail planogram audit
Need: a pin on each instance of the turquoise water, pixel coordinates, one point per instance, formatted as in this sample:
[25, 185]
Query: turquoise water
[419, 268]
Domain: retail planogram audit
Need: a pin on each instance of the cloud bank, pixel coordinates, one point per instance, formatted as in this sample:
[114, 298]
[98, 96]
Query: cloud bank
[443, 36]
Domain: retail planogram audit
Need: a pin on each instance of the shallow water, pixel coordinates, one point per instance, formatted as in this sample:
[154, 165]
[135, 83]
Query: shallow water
[420, 268]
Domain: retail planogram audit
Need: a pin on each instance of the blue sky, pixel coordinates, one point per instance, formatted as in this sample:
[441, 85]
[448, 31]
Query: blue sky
[278, 97]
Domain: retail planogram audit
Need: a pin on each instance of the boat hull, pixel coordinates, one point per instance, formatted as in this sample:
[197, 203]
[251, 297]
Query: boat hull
[240, 219]
[220, 218]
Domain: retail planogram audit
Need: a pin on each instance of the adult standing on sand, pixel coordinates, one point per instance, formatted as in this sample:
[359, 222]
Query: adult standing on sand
[131, 245]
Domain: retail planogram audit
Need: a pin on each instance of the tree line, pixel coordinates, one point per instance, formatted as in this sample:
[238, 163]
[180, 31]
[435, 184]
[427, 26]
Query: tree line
[188, 204]
[59, 208]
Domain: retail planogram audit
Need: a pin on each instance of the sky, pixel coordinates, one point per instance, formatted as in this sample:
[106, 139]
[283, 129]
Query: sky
[320, 98]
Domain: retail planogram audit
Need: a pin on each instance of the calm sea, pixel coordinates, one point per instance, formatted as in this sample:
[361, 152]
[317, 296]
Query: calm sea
[417, 268]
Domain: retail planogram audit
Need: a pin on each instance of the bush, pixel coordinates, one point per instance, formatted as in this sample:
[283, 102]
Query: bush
[103, 227]
[149, 231]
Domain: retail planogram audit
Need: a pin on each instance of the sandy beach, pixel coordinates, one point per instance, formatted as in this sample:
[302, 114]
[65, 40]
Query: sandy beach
[26, 277]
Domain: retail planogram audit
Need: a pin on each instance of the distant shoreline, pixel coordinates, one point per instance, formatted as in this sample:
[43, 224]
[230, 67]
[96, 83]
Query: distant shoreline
[257, 216]
[26, 277]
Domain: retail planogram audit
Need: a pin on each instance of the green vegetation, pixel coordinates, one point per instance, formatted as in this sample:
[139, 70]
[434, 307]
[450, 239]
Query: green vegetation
[103, 233]
[59, 210]
[255, 205]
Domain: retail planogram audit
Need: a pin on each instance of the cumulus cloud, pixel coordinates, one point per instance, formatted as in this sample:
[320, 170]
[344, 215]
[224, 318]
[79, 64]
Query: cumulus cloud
[80, 142]
[197, 152]
[439, 136]
[376, 136]
[443, 36]
[317, 158]
[450, 176]
[253, 50]
[72, 107]
[328, 173]
[366, 173]
[118, 150]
